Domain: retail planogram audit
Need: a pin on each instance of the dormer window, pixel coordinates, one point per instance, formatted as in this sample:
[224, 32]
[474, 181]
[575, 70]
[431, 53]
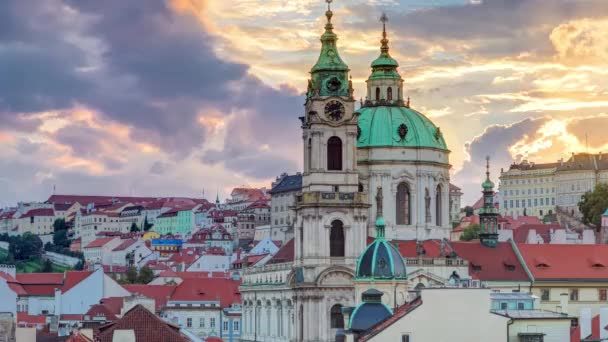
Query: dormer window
[476, 268]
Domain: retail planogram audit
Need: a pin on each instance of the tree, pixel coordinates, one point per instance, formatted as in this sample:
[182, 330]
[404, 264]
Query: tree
[134, 227]
[145, 275]
[25, 246]
[471, 232]
[59, 224]
[131, 275]
[593, 204]
[79, 266]
[47, 266]
[147, 225]
[469, 211]
[60, 238]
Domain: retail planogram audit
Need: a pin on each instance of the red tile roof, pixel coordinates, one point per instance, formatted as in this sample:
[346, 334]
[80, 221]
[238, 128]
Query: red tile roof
[71, 317]
[40, 278]
[491, 264]
[146, 326]
[13, 284]
[98, 311]
[159, 293]
[168, 274]
[513, 223]
[125, 244]
[429, 248]
[7, 214]
[520, 235]
[254, 259]
[285, 254]
[39, 212]
[113, 304]
[213, 339]
[23, 317]
[99, 242]
[397, 315]
[84, 200]
[209, 289]
[73, 278]
[77, 337]
[556, 262]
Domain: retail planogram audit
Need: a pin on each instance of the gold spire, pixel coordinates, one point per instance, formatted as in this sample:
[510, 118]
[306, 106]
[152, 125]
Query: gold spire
[329, 14]
[384, 41]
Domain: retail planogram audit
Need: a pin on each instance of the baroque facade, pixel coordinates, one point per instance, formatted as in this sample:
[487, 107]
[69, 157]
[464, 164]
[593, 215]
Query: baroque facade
[529, 188]
[384, 148]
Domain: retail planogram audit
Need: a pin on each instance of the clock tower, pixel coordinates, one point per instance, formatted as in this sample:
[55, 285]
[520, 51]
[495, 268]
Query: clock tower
[331, 212]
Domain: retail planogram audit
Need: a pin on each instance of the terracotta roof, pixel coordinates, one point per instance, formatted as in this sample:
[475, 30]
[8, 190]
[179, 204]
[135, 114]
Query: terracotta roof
[515, 223]
[39, 212]
[429, 248]
[125, 244]
[213, 339]
[532, 166]
[84, 200]
[491, 264]
[99, 242]
[40, 278]
[159, 293]
[397, 315]
[7, 214]
[73, 278]
[454, 188]
[78, 337]
[113, 304]
[208, 289]
[259, 204]
[23, 317]
[520, 235]
[571, 262]
[71, 317]
[100, 310]
[254, 259]
[285, 254]
[145, 325]
[168, 274]
[13, 284]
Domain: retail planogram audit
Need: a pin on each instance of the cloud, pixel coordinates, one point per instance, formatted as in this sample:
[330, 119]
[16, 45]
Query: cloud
[494, 142]
[581, 40]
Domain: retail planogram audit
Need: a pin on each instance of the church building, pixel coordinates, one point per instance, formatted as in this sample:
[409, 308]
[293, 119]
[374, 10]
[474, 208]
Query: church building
[380, 170]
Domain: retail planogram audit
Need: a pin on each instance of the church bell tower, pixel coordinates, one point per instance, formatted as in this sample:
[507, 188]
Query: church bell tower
[331, 212]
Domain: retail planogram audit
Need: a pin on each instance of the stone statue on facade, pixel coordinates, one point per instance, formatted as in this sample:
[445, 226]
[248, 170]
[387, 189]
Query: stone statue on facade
[379, 200]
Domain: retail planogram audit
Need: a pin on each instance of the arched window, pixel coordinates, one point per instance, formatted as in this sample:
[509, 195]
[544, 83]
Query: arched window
[360, 189]
[389, 94]
[403, 204]
[336, 239]
[377, 94]
[334, 154]
[337, 320]
[438, 205]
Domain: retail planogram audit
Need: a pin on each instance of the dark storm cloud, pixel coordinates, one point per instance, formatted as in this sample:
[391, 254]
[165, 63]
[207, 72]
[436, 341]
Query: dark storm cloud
[137, 63]
[494, 142]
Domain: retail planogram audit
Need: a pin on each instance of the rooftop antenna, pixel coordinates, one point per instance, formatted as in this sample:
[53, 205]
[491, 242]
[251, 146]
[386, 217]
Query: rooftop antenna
[586, 142]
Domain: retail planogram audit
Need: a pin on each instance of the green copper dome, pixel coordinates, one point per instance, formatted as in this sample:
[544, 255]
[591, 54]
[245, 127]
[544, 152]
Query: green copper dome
[329, 58]
[380, 260]
[397, 126]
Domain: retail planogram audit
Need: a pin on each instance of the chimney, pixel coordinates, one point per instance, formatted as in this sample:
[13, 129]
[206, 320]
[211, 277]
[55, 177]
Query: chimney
[563, 304]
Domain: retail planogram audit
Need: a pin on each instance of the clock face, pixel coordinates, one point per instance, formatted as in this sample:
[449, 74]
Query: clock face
[334, 110]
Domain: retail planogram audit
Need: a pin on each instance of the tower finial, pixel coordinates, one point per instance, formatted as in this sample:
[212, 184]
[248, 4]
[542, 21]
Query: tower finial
[384, 41]
[329, 14]
[488, 167]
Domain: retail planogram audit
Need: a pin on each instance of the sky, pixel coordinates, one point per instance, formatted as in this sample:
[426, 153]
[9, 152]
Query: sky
[181, 97]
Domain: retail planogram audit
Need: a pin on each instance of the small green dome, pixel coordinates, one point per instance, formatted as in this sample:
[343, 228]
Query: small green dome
[487, 185]
[397, 126]
[605, 213]
[385, 60]
[381, 261]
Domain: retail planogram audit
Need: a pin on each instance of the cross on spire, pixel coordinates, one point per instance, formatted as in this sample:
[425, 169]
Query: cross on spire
[384, 20]
[329, 4]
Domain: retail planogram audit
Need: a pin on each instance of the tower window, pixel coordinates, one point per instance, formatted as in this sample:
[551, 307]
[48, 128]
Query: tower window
[377, 94]
[438, 205]
[336, 239]
[337, 320]
[334, 154]
[403, 204]
[389, 94]
[309, 153]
